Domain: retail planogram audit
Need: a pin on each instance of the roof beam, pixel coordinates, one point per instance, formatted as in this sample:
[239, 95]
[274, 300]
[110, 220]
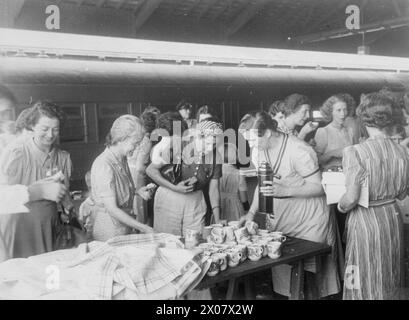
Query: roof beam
[245, 16]
[10, 10]
[342, 33]
[145, 12]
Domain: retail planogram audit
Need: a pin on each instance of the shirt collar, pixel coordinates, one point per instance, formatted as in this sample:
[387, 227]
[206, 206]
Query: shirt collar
[38, 153]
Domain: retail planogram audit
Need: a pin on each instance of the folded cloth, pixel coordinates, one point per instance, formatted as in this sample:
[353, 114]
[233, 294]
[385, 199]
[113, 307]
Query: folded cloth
[137, 266]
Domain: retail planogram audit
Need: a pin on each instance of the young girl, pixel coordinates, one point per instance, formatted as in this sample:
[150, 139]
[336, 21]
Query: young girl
[233, 187]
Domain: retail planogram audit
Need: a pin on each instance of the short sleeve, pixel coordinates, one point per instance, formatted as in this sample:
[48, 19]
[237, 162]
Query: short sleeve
[11, 166]
[161, 153]
[67, 166]
[321, 141]
[242, 183]
[102, 180]
[352, 167]
[304, 159]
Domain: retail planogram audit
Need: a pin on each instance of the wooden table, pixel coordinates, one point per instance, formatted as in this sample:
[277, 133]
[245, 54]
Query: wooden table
[294, 252]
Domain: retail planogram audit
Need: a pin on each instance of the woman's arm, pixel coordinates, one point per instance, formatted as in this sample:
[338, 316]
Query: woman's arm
[153, 171]
[350, 198]
[311, 187]
[117, 213]
[243, 189]
[214, 195]
[253, 208]
[326, 157]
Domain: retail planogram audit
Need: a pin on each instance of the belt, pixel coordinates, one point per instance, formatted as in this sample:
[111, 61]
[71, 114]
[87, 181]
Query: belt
[379, 203]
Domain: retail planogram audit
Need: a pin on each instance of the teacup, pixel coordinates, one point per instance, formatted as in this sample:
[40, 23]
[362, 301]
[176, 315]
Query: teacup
[252, 227]
[234, 224]
[278, 236]
[223, 260]
[214, 268]
[234, 257]
[206, 231]
[191, 238]
[255, 251]
[256, 238]
[264, 243]
[229, 231]
[274, 249]
[241, 234]
[243, 250]
[263, 232]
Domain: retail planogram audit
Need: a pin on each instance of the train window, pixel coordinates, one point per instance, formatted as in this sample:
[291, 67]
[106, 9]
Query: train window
[107, 113]
[74, 129]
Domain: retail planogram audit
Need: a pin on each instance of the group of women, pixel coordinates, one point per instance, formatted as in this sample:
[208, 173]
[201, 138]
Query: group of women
[193, 188]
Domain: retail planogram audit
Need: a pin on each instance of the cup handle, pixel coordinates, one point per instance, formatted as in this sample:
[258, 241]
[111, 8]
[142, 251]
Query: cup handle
[284, 238]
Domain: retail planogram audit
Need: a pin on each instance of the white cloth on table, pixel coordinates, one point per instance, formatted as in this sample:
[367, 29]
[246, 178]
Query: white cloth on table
[143, 266]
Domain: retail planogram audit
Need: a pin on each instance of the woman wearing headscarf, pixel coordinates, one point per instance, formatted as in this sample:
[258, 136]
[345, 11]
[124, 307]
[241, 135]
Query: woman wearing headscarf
[182, 206]
[112, 187]
[374, 248]
[300, 208]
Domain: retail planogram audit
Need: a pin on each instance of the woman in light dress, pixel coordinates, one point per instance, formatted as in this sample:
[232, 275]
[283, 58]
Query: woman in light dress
[300, 208]
[112, 187]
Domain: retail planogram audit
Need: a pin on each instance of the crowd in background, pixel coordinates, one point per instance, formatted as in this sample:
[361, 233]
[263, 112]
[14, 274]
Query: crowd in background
[147, 181]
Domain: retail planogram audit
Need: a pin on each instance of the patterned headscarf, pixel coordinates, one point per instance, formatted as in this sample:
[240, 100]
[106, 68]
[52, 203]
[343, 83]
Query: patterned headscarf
[209, 127]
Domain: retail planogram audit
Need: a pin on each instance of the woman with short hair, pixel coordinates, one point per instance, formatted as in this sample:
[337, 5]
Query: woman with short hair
[300, 208]
[297, 108]
[33, 159]
[112, 187]
[374, 234]
[333, 138]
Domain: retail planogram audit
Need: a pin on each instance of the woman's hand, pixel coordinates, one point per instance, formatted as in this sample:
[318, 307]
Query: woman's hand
[405, 142]
[47, 190]
[145, 193]
[247, 217]
[184, 187]
[275, 189]
[307, 128]
[146, 229]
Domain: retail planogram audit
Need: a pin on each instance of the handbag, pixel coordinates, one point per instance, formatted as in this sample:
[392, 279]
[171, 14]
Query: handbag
[69, 234]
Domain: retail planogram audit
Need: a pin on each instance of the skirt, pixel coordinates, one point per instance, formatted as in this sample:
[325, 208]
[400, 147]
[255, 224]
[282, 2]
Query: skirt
[176, 212]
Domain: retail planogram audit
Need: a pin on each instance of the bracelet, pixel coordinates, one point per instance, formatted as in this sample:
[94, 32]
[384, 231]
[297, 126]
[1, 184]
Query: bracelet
[215, 207]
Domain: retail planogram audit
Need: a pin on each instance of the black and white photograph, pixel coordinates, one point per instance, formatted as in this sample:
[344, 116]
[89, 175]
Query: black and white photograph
[209, 155]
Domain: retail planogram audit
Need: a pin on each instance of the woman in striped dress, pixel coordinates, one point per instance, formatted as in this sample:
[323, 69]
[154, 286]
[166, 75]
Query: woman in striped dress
[374, 235]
